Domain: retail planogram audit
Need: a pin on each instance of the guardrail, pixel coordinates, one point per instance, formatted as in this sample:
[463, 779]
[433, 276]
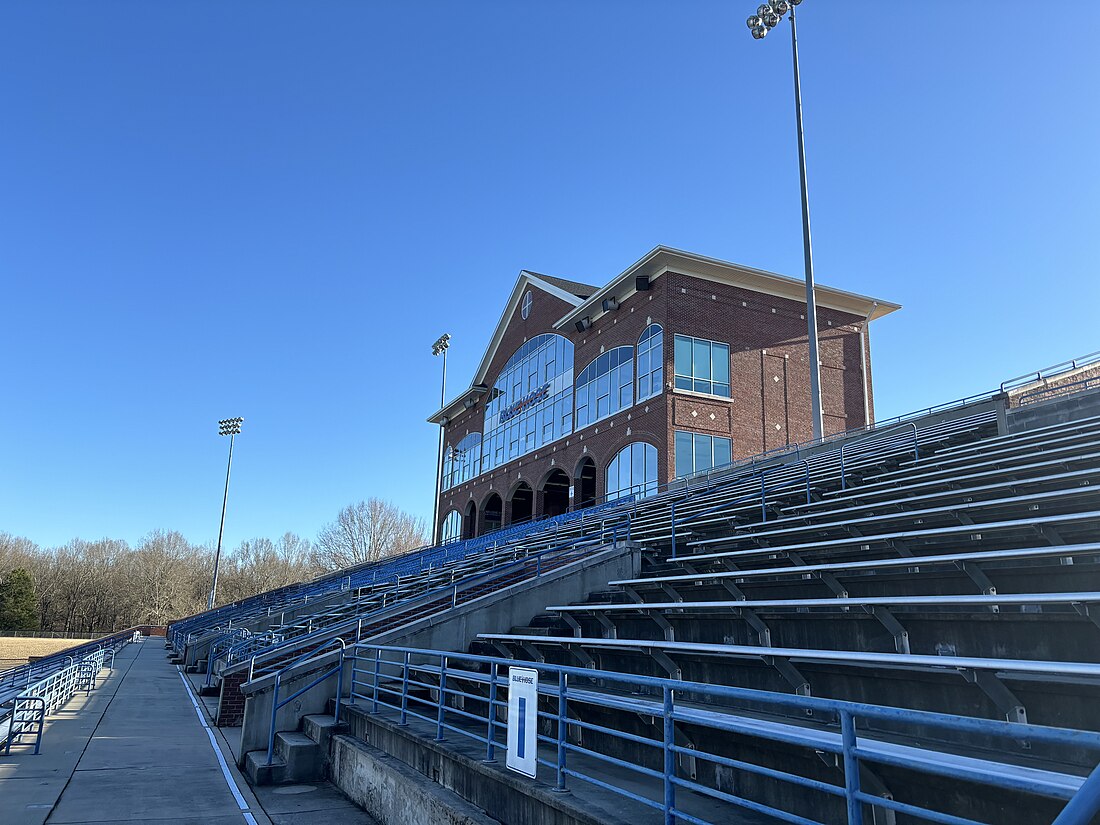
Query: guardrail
[390, 677]
[538, 564]
[33, 703]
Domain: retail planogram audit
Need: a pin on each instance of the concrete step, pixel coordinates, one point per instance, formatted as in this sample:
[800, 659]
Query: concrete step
[302, 755]
[319, 727]
[260, 774]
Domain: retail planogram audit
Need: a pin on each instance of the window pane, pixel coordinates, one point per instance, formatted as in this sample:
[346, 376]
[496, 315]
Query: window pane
[703, 460]
[720, 356]
[683, 383]
[722, 452]
[684, 462]
[701, 359]
[722, 390]
[683, 356]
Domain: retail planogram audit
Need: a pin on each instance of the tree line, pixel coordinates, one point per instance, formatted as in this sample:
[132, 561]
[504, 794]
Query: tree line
[90, 586]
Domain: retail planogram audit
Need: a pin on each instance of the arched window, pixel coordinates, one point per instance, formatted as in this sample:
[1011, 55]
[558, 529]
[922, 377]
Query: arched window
[462, 462]
[651, 361]
[452, 527]
[531, 402]
[606, 386]
[633, 471]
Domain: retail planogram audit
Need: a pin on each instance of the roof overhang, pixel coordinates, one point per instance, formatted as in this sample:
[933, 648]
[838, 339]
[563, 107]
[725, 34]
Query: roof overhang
[460, 404]
[665, 259]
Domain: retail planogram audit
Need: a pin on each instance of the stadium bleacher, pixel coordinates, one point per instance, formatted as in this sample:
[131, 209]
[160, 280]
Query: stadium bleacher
[897, 626]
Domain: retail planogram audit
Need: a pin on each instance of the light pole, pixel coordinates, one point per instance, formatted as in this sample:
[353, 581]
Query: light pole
[767, 17]
[232, 428]
[440, 347]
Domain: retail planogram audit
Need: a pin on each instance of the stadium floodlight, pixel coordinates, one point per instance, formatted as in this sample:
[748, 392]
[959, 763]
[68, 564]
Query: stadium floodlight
[232, 428]
[440, 347]
[754, 21]
[770, 14]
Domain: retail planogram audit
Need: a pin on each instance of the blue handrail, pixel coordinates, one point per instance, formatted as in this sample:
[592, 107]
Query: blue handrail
[670, 705]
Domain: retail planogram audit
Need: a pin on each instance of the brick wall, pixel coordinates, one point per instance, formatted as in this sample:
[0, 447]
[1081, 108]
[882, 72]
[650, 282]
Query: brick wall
[769, 374]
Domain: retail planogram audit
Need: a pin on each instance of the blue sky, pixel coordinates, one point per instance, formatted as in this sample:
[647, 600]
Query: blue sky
[271, 210]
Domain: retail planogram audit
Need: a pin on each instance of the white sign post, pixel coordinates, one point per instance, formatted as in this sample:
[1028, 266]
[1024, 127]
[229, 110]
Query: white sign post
[523, 718]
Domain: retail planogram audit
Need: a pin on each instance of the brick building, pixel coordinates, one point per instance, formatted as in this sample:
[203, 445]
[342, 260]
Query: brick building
[679, 364]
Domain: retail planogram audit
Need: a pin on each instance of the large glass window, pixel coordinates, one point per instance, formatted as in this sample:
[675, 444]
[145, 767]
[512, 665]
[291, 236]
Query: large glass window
[702, 366]
[452, 527]
[605, 386]
[696, 452]
[651, 370]
[531, 403]
[633, 471]
[462, 462]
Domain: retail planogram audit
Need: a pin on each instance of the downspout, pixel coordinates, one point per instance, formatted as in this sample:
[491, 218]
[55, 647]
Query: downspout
[864, 337]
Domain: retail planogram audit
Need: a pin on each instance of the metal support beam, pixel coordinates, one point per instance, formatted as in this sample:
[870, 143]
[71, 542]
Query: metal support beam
[892, 625]
[1005, 700]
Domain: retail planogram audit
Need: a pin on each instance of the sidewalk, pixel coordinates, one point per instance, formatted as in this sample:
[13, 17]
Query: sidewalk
[135, 751]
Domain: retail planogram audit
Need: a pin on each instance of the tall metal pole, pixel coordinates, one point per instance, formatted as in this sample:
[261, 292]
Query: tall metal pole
[439, 460]
[811, 304]
[221, 529]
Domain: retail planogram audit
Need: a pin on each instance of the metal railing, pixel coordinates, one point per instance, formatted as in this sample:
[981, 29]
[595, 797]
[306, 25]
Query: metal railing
[36, 701]
[531, 565]
[428, 685]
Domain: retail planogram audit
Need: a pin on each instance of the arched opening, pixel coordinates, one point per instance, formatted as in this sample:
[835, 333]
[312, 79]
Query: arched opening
[555, 494]
[492, 514]
[452, 527]
[585, 493]
[469, 521]
[521, 505]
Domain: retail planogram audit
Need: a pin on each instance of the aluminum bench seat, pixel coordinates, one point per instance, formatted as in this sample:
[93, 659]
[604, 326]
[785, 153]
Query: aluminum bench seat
[839, 569]
[957, 484]
[1029, 526]
[956, 513]
[1053, 671]
[966, 495]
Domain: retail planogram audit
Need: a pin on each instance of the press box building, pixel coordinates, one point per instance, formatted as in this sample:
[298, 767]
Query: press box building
[679, 364]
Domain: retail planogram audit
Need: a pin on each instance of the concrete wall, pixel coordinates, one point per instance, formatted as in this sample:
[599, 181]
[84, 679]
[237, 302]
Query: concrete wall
[1056, 411]
[391, 791]
[455, 629]
[503, 795]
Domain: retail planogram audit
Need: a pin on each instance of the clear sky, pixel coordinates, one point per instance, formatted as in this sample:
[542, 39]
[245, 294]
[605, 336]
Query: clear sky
[271, 209]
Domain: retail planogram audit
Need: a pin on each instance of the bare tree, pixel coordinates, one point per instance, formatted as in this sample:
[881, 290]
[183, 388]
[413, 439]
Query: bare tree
[261, 564]
[368, 531]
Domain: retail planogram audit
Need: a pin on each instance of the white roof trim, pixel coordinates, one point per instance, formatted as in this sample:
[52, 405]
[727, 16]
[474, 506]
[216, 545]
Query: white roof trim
[663, 259]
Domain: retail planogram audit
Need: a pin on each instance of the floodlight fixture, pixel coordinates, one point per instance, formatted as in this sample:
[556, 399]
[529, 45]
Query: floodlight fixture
[441, 344]
[584, 323]
[610, 304]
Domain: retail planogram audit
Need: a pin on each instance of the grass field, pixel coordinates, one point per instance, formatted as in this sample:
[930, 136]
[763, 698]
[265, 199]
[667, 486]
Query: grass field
[16, 651]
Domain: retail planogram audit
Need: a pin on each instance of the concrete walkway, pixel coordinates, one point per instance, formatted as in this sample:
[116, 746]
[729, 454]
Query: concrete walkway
[139, 750]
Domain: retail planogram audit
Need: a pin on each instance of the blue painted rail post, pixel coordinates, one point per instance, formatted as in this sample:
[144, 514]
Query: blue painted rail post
[670, 759]
[405, 692]
[377, 665]
[490, 737]
[851, 768]
[442, 698]
[562, 732]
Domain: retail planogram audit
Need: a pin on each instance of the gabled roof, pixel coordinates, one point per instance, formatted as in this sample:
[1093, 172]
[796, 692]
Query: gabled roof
[663, 258]
[560, 288]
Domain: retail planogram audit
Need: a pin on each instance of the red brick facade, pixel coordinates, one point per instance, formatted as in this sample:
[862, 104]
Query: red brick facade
[770, 398]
